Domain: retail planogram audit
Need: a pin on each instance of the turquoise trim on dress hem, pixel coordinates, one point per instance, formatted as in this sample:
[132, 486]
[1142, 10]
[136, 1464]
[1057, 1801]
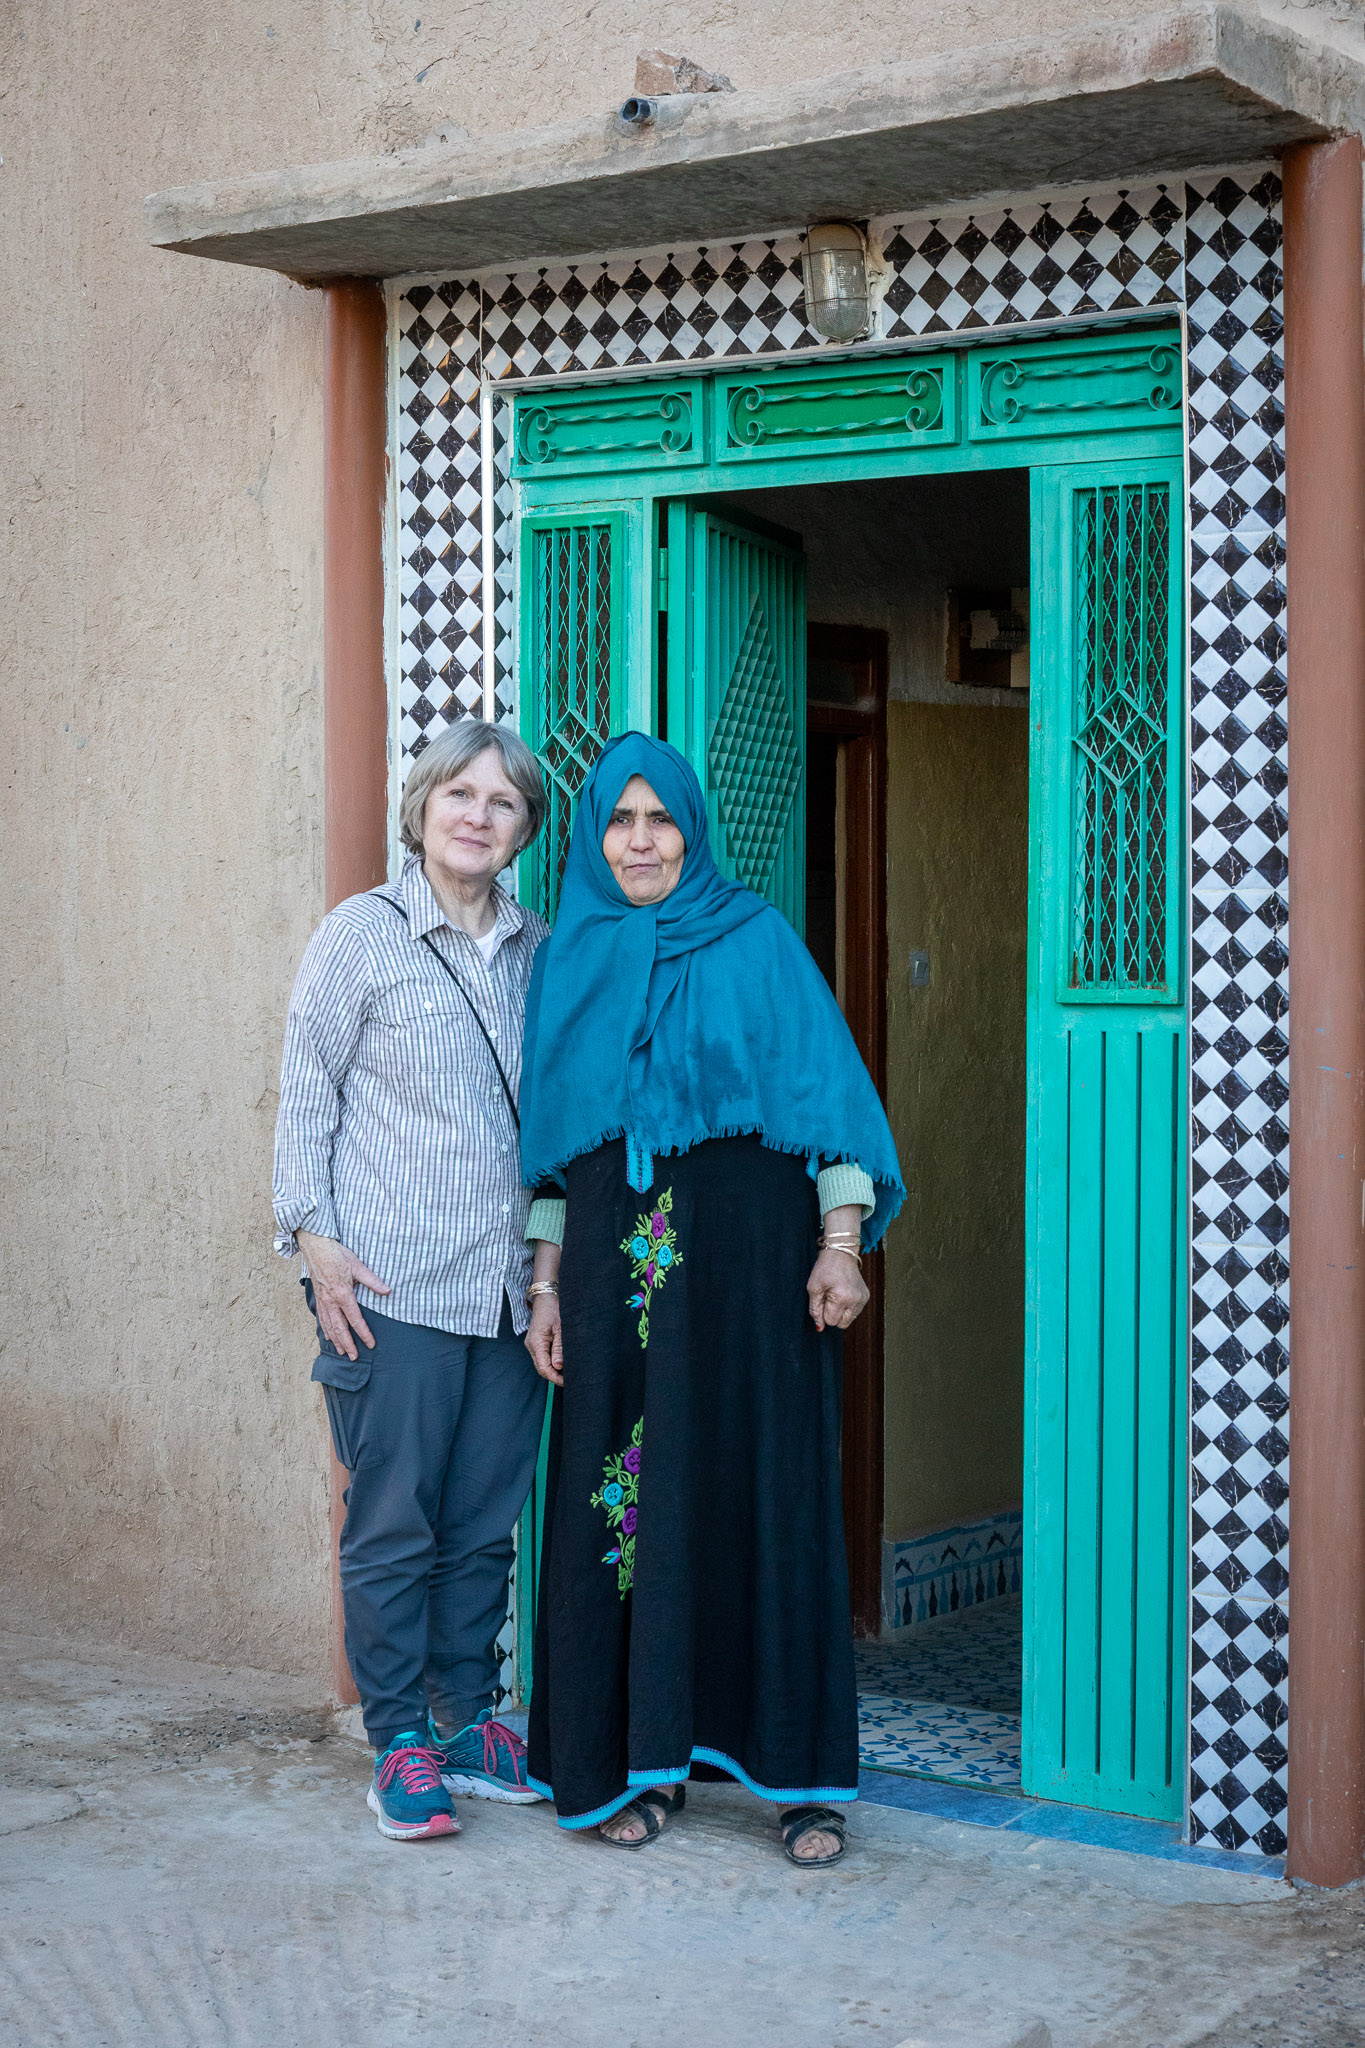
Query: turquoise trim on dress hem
[584, 1820]
[675, 1774]
[785, 1796]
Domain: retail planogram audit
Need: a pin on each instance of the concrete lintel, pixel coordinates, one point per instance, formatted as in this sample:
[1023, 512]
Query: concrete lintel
[1166, 91]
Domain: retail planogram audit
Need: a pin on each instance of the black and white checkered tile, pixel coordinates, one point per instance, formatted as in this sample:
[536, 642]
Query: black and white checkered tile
[439, 572]
[740, 299]
[1107, 254]
[1239, 1013]
[505, 1694]
[1215, 248]
[504, 589]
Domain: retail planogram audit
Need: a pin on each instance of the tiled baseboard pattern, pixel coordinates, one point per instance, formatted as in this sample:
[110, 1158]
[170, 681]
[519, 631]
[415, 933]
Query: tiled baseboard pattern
[946, 1570]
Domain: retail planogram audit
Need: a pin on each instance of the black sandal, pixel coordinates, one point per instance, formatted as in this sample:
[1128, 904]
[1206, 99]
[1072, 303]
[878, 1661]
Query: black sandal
[811, 1820]
[653, 1806]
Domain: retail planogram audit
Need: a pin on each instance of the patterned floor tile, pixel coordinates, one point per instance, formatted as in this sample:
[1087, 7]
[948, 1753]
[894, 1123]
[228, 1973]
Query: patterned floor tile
[945, 1699]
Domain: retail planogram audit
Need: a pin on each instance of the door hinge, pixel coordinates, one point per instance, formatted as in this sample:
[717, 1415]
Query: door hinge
[663, 579]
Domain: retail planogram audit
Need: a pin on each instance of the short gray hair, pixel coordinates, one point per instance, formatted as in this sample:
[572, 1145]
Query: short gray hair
[450, 754]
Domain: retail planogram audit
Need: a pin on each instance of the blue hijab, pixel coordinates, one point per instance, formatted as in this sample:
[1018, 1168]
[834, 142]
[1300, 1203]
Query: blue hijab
[702, 1016]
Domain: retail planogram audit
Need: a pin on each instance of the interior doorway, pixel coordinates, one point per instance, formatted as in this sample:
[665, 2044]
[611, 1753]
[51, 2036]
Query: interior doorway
[917, 912]
[847, 670]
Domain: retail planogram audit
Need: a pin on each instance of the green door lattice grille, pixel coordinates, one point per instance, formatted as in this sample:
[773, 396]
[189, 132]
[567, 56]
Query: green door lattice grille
[574, 640]
[1123, 746]
[754, 757]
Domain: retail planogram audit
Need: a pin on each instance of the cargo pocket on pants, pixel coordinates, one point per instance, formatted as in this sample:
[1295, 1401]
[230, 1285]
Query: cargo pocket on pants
[338, 1417]
[332, 1368]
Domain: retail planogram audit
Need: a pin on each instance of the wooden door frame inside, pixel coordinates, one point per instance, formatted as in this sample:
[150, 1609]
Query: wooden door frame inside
[861, 726]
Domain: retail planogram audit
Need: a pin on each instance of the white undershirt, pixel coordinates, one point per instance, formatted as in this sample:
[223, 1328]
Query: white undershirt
[484, 942]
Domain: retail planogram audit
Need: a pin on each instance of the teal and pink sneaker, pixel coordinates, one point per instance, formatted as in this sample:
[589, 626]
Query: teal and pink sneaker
[486, 1760]
[406, 1796]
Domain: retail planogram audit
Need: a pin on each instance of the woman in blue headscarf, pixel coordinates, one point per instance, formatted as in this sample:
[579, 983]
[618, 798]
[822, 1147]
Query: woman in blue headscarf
[693, 1108]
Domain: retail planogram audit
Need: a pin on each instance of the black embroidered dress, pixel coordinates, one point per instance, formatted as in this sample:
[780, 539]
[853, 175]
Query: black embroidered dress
[693, 1601]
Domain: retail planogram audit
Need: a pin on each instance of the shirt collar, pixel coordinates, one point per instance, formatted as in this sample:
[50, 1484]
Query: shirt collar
[426, 915]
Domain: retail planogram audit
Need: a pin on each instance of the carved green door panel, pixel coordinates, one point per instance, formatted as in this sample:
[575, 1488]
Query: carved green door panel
[736, 691]
[1106, 1391]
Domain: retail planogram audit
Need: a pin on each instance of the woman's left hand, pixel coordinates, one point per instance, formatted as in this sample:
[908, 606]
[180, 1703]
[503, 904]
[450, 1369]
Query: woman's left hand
[837, 1290]
[545, 1338]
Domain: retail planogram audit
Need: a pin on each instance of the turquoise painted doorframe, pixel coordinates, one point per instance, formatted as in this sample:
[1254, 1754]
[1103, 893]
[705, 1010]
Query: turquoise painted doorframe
[1097, 420]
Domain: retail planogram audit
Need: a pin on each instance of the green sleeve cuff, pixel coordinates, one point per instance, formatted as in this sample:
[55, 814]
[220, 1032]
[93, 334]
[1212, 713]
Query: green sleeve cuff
[546, 1219]
[838, 1186]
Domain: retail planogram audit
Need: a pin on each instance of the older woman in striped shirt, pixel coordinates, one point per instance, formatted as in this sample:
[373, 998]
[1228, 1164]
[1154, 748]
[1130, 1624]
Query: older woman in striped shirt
[397, 1176]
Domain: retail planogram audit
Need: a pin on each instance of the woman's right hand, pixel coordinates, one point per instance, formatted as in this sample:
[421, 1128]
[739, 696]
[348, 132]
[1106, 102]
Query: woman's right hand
[545, 1339]
[334, 1272]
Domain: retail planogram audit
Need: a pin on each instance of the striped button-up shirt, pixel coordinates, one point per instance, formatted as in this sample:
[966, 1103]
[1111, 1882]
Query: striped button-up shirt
[394, 1134]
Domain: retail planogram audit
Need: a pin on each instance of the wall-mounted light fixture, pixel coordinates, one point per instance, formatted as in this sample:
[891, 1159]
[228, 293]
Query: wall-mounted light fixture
[834, 270]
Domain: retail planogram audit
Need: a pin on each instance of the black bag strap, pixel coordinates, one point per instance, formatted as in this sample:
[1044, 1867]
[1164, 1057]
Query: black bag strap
[439, 957]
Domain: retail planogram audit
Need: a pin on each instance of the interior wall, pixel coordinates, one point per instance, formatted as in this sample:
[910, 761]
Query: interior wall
[884, 554]
[957, 846]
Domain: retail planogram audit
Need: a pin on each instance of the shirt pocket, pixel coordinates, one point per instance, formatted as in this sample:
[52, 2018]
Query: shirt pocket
[412, 1008]
[417, 1045]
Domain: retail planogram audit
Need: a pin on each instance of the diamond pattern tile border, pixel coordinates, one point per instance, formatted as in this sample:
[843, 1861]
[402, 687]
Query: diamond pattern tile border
[1212, 247]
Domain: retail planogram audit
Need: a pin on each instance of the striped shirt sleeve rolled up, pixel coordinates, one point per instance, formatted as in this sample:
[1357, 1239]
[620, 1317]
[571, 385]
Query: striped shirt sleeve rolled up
[394, 1135]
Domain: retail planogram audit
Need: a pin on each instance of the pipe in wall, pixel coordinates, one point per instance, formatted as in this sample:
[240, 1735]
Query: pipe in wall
[355, 705]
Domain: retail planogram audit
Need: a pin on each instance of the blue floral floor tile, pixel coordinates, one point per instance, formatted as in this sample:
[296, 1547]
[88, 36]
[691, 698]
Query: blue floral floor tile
[944, 1697]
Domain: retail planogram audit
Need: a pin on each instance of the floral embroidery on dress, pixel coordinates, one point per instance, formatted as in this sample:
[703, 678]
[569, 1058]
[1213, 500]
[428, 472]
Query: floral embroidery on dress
[653, 1251]
[619, 1494]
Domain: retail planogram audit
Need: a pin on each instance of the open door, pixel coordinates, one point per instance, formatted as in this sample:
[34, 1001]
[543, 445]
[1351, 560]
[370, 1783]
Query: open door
[734, 691]
[580, 569]
[1104, 1514]
[581, 572]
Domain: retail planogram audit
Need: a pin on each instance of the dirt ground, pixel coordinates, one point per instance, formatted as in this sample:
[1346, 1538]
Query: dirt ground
[188, 1863]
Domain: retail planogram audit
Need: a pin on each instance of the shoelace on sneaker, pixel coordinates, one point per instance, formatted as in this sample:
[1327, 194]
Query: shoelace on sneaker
[496, 1736]
[415, 1769]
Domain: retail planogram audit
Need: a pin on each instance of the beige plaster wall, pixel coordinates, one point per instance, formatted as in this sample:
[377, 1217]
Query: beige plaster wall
[163, 1466]
[957, 844]
[162, 1470]
[162, 1461]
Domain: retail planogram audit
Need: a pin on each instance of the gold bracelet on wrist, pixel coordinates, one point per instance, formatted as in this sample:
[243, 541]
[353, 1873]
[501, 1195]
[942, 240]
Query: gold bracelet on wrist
[541, 1287]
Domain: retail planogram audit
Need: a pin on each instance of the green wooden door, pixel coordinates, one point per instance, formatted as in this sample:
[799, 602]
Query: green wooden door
[735, 594]
[581, 683]
[1104, 1517]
